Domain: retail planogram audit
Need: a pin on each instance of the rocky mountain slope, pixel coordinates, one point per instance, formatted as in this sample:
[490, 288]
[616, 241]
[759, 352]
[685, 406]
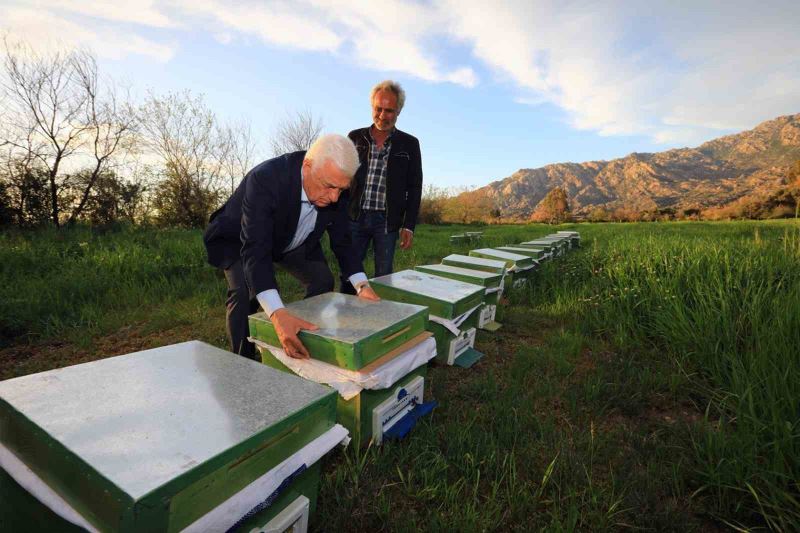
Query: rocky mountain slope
[714, 174]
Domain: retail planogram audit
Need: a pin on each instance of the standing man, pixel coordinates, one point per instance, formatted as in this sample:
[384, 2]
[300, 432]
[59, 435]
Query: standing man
[277, 215]
[388, 185]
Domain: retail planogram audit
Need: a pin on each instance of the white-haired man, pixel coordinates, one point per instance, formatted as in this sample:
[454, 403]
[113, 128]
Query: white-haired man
[388, 185]
[277, 215]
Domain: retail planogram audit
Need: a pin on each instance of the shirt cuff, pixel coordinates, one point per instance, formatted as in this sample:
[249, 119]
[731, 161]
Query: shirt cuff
[357, 278]
[270, 300]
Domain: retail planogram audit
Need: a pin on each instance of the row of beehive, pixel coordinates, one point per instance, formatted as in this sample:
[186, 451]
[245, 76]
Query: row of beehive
[192, 438]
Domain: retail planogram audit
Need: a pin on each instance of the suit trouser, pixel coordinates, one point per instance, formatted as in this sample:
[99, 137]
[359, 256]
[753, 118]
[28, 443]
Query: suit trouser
[371, 226]
[312, 272]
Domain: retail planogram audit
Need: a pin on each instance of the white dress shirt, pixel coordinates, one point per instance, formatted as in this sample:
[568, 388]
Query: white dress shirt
[270, 300]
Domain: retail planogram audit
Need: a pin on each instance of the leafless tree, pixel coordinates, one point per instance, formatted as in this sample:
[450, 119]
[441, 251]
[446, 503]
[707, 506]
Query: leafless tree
[57, 115]
[239, 151]
[295, 133]
[200, 156]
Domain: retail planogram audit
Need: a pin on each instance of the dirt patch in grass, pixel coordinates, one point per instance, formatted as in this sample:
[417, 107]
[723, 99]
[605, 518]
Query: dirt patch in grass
[26, 359]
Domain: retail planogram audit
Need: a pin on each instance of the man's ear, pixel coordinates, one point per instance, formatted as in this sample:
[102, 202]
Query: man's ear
[307, 165]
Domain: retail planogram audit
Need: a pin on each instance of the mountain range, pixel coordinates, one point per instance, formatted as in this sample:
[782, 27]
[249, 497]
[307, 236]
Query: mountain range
[715, 174]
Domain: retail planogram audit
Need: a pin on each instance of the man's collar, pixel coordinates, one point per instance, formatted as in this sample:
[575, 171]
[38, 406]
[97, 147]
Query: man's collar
[391, 133]
[303, 195]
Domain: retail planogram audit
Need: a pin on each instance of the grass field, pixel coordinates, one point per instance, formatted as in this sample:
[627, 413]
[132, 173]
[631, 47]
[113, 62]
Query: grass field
[649, 380]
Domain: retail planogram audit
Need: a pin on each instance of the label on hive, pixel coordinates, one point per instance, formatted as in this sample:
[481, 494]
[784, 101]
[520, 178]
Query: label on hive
[460, 344]
[394, 408]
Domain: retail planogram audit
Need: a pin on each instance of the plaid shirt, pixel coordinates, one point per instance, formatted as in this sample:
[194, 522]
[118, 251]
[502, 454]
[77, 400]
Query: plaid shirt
[374, 197]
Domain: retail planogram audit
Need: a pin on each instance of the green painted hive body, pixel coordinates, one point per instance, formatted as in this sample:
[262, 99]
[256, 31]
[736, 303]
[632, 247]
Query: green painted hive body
[511, 260]
[352, 332]
[489, 280]
[153, 440]
[565, 240]
[547, 245]
[536, 253]
[476, 263]
[356, 413]
[458, 239]
[574, 238]
[446, 298]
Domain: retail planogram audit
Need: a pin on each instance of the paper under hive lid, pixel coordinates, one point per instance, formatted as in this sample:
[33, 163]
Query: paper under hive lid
[153, 440]
[352, 332]
[446, 298]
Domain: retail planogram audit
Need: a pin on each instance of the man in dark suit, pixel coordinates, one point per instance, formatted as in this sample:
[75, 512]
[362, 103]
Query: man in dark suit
[277, 215]
[388, 185]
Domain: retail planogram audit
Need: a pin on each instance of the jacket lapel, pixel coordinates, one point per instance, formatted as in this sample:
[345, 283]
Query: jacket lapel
[294, 186]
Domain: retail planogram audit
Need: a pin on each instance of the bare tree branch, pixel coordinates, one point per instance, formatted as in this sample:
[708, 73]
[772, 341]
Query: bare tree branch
[295, 133]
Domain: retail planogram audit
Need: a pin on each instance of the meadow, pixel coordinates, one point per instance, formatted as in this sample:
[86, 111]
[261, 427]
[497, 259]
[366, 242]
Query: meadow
[649, 380]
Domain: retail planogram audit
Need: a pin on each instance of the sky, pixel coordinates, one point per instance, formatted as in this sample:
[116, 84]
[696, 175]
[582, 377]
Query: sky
[492, 86]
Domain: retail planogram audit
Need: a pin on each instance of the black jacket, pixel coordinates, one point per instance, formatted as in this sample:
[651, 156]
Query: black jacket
[403, 179]
[259, 220]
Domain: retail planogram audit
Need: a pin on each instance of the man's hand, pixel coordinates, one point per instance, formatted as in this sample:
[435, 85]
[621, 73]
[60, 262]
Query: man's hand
[287, 326]
[366, 293]
[406, 238]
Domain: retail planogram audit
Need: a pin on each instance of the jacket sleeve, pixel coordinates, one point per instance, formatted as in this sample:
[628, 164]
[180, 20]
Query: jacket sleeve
[258, 212]
[414, 187]
[341, 241]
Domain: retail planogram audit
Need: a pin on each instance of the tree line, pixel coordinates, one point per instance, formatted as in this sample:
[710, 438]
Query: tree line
[74, 147]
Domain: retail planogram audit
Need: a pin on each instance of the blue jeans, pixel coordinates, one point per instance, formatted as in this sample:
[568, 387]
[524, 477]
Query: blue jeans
[371, 226]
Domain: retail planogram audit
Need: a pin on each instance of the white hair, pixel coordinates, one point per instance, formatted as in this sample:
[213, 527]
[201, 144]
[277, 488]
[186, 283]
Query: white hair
[336, 148]
[393, 86]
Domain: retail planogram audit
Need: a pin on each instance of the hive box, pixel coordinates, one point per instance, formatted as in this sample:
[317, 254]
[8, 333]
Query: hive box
[352, 332]
[537, 253]
[560, 244]
[548, 245]
[447, 299]
[574, 238]
[476, 263]
[154, 440]
[458, 239]
[474, 236]
[489, 281]
[356, 334]
[520, 267]
[563, 240]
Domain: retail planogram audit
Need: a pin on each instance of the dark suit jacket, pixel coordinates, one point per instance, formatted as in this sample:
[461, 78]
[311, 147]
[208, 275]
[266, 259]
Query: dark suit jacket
[259, 220]
[403, 179]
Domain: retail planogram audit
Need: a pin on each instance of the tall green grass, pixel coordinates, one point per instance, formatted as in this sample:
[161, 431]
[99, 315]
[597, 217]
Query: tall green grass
[722, 301]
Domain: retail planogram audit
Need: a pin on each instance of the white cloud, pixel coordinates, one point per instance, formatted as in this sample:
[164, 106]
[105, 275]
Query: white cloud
[48, 31]
[673, 71]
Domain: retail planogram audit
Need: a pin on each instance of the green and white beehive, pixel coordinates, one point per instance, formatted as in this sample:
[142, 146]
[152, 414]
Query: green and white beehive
[476, 263]
[561, 244]
[573, 236]
[155, 440]
[548, 245]
[448, 300]
[492, 283]
[537, 253]
[520, 267]
[359, 335]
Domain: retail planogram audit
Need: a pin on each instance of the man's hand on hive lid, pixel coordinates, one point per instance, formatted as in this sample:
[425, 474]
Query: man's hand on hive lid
[287, 326]
[367, 293]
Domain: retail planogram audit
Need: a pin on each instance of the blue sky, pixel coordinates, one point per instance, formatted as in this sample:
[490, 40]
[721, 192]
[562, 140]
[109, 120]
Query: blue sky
[492, 86]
